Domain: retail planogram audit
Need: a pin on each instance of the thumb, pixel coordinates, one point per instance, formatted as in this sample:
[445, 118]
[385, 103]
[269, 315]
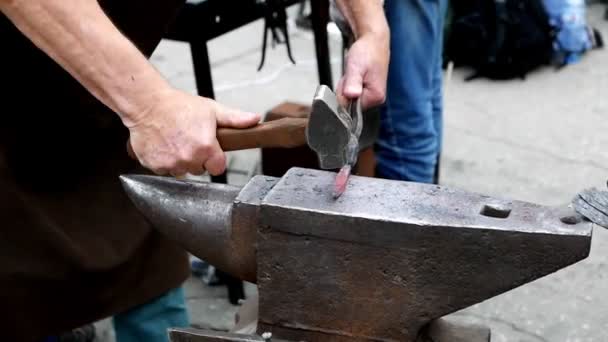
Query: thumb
[353, 82]
[130, 150]
[234, 118]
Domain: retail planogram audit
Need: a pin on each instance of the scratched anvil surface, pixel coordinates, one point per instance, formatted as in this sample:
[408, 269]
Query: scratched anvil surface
[540, 140]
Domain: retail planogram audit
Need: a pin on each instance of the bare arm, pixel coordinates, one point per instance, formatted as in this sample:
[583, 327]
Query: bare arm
[364, 16]
[368, 58]
[82, 39]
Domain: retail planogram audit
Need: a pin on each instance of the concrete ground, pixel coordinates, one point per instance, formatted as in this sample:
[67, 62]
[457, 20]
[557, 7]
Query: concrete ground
[539, 140]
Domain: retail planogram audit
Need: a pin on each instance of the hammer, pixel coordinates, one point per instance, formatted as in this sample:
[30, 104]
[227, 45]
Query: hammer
[333, 132]
[336, 134]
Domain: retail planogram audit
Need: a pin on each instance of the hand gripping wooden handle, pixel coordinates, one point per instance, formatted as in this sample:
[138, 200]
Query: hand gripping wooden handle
[281, 133]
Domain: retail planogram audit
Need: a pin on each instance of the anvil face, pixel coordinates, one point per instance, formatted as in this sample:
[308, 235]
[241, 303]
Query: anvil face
[380, 262]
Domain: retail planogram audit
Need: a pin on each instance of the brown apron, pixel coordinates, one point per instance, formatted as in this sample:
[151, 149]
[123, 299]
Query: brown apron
[72, 247]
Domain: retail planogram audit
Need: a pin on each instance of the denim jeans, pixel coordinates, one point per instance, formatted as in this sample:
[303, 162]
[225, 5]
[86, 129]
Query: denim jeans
[149, 322]
[411, 131]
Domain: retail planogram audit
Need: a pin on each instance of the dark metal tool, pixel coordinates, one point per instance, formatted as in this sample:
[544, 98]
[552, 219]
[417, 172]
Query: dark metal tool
[334, 134]
[337, 134]
[593, 205]
[275, 22]
[352, 149]
[378, 267]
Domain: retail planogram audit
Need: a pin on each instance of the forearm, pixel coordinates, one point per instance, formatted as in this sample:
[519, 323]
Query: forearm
[81, 38]
[364, 16]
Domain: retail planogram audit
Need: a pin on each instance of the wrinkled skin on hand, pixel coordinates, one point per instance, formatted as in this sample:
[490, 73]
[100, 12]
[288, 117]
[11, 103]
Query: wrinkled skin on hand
[366, 71]
[177, 134]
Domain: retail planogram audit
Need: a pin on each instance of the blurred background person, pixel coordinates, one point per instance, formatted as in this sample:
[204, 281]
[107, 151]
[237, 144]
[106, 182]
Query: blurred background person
[409, 143]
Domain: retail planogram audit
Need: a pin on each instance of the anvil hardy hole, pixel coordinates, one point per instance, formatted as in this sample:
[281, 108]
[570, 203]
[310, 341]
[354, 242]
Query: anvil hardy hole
[495, 211]
[571, 219]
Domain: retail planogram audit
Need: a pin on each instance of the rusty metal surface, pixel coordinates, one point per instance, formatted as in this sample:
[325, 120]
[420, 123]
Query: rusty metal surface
[376, 265]
[389, 257]
[198, 216]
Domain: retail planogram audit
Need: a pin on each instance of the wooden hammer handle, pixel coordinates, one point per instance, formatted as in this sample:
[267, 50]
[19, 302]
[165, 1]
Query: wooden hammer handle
[281, 133]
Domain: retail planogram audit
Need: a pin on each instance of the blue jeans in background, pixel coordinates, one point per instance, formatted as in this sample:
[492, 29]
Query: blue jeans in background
[149, 322]
[410, 137]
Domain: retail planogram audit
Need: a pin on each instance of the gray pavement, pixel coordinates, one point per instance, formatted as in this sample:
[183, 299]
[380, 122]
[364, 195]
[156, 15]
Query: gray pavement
[539, 140]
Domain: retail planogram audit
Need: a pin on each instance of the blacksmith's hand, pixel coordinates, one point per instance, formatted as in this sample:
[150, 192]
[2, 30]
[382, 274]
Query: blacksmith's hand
[367, 60]
[177, 134]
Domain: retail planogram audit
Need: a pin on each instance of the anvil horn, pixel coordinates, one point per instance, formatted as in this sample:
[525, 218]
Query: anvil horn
[198, 216]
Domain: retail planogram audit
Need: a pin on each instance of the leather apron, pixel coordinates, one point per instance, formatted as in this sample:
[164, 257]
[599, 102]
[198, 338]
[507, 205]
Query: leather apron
[73, 249]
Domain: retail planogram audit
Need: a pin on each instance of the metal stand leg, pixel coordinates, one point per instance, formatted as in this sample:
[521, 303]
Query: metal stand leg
[204, 86]
[202, 69]
[320, 18]
[204, 82]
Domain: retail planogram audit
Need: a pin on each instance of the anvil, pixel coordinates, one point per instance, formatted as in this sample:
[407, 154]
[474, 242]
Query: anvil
[378, 264]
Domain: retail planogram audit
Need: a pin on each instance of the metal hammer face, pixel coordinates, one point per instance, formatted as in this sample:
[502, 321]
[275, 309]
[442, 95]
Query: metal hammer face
[376, 265]
[333, 134]
[329, 129]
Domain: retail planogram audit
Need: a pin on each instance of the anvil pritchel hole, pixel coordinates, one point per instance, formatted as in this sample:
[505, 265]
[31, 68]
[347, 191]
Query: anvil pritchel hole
[495, 211]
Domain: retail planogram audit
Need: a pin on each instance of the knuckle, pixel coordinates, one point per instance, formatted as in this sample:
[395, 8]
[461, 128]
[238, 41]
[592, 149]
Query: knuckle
[205, 149]
[214, 171]
[196, 170]
[216, 165]
[185, 156]
[377, 97]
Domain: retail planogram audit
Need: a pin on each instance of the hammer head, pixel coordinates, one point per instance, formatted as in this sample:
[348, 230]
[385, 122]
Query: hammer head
[333, 134]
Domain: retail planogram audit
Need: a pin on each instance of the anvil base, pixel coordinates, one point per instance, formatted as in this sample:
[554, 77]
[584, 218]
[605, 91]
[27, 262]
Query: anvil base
[441, 330]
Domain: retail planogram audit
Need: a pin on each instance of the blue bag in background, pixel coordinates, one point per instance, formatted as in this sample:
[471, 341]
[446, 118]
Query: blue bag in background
[573, 37]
